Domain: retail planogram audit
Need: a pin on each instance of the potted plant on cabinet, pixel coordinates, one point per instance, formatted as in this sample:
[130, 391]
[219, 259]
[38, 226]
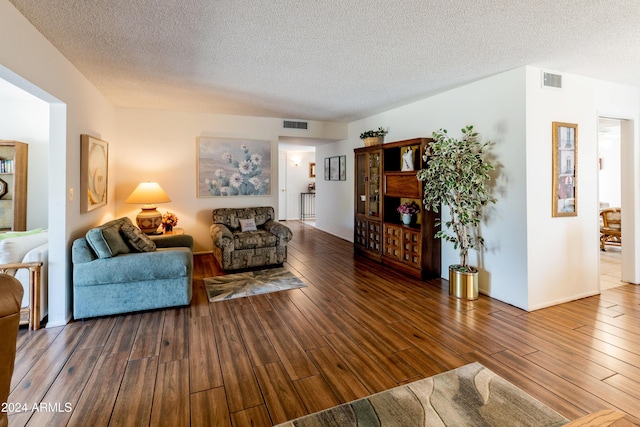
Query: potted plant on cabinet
[407, 210]
[456, 175]
[373, 137]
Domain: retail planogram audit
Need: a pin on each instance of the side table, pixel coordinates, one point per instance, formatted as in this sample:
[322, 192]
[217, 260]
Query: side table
[175, 231]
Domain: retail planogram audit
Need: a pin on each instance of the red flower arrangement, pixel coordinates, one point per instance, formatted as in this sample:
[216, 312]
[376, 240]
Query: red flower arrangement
[169, 220]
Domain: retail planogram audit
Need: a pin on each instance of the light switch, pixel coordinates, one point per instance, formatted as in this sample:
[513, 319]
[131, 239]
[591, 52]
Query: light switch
[71, 194]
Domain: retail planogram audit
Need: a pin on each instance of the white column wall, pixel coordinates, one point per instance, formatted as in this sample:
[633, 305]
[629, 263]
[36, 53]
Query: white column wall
[31, 62]
[563, 253]
[563, 262]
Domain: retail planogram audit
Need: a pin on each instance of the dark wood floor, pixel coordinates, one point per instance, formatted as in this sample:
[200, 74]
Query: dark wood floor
[357, 329]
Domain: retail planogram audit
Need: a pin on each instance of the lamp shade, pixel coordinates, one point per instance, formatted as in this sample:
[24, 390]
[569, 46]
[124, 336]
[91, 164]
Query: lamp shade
[148, 193]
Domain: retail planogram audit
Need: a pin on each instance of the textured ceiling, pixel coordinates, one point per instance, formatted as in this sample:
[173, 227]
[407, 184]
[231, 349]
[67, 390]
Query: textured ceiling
[327, 59]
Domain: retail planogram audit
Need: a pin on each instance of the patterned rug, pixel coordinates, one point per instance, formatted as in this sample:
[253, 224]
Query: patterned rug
[468, 396]
[251, 283]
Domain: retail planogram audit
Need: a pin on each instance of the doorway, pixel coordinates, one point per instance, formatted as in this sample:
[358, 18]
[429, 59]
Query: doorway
[615, 143]
[48, 147]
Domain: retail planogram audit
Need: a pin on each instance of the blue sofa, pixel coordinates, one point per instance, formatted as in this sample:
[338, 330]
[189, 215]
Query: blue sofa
[117, 269]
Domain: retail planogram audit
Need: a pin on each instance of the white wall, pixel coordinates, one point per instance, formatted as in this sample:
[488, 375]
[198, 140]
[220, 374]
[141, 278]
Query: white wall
[25, 118]
[334, 199]
[562, 256]
[161, 146]
[30, 62]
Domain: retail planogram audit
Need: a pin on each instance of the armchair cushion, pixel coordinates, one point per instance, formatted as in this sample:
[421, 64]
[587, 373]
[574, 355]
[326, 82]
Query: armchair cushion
[21, 250]
[14, 249]
[40, 253]
[254, 239]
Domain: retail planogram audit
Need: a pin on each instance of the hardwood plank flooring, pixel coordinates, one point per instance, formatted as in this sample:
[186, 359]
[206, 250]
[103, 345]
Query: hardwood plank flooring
[358, 328]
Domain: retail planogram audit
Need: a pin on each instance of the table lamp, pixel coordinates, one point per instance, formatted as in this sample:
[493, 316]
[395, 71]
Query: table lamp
[148, 194]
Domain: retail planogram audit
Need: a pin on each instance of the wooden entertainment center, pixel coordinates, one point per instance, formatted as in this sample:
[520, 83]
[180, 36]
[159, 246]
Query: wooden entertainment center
[382, 183]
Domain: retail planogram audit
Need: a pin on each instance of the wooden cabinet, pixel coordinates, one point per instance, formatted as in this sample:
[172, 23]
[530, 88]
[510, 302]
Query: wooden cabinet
[411, 248]
[368, 202]
[13, 185]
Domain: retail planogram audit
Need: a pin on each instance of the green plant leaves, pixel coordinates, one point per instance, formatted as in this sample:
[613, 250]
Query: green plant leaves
[456, 175]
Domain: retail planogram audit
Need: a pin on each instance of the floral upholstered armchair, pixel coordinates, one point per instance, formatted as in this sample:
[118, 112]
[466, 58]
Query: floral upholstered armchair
[248, 237]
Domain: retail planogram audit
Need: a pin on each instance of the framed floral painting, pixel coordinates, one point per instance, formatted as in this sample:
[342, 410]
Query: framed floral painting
[228, 167]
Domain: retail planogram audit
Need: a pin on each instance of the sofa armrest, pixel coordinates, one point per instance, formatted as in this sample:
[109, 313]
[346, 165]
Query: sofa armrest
[221, 236]
[282, 231]
[81, 252]
[173, 241]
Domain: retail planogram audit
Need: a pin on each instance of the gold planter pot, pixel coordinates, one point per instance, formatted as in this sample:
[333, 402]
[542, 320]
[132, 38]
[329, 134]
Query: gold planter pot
[463, 284]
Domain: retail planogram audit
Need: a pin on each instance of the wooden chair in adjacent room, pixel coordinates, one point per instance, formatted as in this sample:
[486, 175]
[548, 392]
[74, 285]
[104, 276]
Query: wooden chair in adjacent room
[610, 227]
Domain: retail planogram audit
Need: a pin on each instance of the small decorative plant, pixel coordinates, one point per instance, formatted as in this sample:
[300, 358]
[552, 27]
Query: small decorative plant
[374, 133]
[456, 175]
[409, 208]
[169, 220]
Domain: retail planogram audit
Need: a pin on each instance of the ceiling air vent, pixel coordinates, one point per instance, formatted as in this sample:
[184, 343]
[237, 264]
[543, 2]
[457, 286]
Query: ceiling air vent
[551, 80]
[289, 124]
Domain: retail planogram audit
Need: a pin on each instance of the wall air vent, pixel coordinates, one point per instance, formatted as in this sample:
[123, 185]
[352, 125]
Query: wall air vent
[289, 124]
[551, 80]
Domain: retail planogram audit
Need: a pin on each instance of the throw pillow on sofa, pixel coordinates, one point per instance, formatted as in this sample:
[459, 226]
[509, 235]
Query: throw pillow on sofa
[106, 240]
[136, 238]
[248, 225]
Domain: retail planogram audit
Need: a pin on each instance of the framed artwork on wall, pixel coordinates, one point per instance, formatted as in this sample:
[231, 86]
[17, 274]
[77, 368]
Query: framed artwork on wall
[335, 168]
[94, 161]
[343, 168]
[312, 170]
[228, 167]
[565, 169]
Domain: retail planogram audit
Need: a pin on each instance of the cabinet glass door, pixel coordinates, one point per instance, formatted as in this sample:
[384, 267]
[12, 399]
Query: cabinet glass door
[374, 184]
[361, 183]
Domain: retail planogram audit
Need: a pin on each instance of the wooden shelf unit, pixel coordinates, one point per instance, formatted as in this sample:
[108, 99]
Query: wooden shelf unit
[13, 205]
[412, 248]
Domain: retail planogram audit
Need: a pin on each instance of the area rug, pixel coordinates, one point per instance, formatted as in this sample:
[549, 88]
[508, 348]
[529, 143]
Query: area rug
[468, 396]
[239, 285]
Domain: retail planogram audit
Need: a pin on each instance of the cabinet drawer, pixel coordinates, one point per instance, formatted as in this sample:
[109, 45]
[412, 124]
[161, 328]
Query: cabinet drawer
[393, 242]
[402, 185]
[411, 248]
